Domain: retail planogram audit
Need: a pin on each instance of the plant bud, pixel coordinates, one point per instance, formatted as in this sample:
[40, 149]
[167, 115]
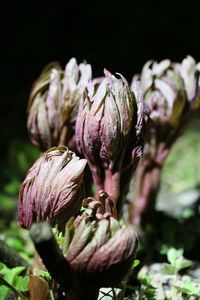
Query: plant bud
[171, 93]
[101, 251]
[109, 129]
[189, 71]
[170, 90]
[164, 92]
[105, 120]
[53, 103]
[52, 189]
[76, 78]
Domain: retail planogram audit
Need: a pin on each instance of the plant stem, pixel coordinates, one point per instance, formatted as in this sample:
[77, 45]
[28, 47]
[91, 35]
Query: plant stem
[148, 179]
[82, 294]
[98, 181]
[10, 257]
[47, 247]
[112, 184]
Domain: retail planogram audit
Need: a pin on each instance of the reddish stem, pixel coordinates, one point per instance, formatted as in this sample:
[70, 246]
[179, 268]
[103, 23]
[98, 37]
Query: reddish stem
[148, 179]
[112, 184]
[98, 181]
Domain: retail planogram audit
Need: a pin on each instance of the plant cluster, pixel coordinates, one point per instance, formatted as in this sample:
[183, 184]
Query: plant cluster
[97, 134]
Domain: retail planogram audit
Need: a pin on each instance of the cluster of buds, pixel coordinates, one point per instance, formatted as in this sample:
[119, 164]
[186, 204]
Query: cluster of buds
[105, 119]
[171, 93]
[54, 102]
[98, 251]
[109, 123]
[109, 131]
[170, 90]
[53, 188]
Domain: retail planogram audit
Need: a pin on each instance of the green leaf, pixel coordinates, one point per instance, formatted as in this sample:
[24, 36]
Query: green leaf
[12, 273]
[3, 291]
[183, 263]
[169, 269]
[189, 287]
[173, 254]
[185, 290]
[44, 274]
[21, 283]
[15, 243]
[12, 278]
[135, 263]
[181, 289]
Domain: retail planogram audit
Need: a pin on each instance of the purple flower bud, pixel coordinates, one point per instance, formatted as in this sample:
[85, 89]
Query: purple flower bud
[164, 92]
[76, 78]
[105, 119]
[171, 93]
[100, 251]
[170, 89]
[108, 129]
[189, 71]
[54, 102]
[52, 189]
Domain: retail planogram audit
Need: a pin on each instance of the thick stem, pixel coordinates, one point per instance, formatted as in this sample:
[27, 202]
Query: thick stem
[148, 179]
[112, 184]
[98, 181]
[82, 294]
[62, 140]
[47, 247]
[10, 257]
[125, 179]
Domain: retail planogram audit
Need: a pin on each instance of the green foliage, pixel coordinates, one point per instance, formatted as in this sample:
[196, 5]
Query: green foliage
[12, 187]
[21, 156]
[181, 170]
[59, 236]
[7, 202]
[135, 263]
[165, 281]
[18, 239]
[176, 262]
[11, 280]
[44, 274]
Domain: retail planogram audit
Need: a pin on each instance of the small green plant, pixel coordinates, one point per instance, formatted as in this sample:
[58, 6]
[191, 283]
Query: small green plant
[168, 281]
[12, 280]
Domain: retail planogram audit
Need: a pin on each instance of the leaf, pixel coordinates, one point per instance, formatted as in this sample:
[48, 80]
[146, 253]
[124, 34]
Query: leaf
[183, 263]
[38, 288]
[15, 243]
[3, 291]
[12, 280]
[168, 269]
[173, 254]
[188, 287]
[44, 274]
[21, 283]
[135, 263]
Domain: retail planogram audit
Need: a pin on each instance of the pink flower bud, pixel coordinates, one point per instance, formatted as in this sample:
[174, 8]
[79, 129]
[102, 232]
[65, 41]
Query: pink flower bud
[54, 102]
[52, 189]
[100, 252]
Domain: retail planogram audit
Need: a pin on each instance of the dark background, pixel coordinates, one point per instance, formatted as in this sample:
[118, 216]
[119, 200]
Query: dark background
[120, 35]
